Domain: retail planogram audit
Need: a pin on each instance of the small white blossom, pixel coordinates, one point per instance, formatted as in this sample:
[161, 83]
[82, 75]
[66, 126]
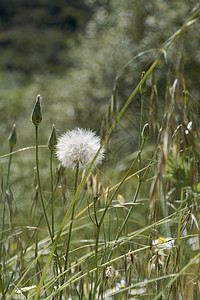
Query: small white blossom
[163, 243]
[79, 147]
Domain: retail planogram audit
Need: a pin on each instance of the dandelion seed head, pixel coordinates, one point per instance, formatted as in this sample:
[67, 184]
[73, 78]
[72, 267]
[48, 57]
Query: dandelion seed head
[79, 146]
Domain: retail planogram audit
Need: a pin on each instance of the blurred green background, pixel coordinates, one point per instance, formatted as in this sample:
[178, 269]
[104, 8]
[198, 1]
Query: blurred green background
[71, 51]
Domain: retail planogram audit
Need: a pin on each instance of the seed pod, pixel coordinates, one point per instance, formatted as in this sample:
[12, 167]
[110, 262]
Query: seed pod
[37, 114]
[13, 137]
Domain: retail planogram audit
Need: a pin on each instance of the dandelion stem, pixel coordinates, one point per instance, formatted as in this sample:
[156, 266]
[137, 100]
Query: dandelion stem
[70, 228]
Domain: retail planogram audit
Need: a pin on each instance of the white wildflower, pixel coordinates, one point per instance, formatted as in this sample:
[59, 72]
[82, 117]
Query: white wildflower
[163, 243]
[79, 147]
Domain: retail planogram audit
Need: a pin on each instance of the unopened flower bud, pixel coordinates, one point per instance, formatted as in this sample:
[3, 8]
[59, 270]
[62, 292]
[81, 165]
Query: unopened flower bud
[13, 137]
[37, 114]
[52, 139]
[145, 132]
[143, 87]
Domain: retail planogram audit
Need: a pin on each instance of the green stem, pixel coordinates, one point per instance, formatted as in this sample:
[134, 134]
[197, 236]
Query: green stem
[179, 229]
[40, 220]
[52, 200]
[140, 138]
[70, 229]
[4, 202]
[39, 183]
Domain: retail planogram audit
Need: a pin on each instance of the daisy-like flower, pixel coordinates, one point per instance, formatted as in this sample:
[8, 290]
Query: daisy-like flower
[163, 245]
[79, 147]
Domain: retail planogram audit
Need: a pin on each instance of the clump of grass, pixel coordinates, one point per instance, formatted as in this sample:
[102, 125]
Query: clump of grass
[95, 247]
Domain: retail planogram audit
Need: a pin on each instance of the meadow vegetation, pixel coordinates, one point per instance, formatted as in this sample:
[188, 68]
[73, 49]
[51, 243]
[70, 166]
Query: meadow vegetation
[121, 220]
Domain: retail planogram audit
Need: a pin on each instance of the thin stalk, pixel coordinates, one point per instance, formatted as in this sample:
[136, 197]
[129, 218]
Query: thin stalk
[39, 183]
[4, 202]
[140, 137]
[21, 150]
[179, 228]
[40, 220]
[52, 200]
[70, 228]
